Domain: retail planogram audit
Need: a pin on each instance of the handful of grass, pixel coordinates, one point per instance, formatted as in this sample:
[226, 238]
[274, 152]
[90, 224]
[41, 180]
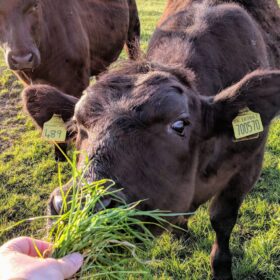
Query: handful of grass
[109, 239]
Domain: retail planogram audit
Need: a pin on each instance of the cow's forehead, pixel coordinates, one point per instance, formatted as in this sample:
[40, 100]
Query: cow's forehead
[148, 109]
[153, 78]
[145, 88]
[154, 91]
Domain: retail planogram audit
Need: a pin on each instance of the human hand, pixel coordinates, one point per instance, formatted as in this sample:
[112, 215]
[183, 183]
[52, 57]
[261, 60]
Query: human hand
[19, 260]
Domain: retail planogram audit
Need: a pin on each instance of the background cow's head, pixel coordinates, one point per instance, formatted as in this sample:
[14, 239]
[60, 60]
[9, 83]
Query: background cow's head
[19, 33]
[142, 126]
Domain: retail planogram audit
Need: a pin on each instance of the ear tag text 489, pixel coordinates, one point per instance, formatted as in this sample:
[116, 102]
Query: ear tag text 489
[247, 125]
[54, 130]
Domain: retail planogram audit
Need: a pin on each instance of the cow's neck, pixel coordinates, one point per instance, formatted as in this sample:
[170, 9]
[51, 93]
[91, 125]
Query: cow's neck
[61, 27]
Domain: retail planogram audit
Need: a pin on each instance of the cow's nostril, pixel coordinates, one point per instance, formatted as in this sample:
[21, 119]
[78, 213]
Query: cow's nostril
[13, 60]
[22, 61]
[57, 204]
[30, 58]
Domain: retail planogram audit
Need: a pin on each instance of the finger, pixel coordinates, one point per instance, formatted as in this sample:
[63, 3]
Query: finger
[70, 264]
[27, 246]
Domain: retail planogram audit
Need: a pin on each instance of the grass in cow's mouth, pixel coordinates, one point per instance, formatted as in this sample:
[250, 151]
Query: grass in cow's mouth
[114, 240]
[110, 239]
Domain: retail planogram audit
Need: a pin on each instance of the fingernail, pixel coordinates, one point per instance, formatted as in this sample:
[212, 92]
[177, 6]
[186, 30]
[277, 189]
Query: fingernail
[76, 258]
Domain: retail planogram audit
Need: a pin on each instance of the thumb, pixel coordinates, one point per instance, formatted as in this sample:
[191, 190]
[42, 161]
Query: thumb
[70, 264]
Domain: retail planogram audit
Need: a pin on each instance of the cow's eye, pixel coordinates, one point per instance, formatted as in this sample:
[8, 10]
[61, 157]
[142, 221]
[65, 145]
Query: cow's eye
[179, 127]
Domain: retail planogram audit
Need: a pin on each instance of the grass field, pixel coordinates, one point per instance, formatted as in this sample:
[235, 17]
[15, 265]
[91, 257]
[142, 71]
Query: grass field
[28, 174]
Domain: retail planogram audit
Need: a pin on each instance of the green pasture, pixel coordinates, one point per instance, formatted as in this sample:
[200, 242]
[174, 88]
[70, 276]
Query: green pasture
[28, 174]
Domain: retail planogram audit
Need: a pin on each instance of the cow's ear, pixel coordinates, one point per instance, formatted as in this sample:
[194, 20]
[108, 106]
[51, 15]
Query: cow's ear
[41, 102]
[259, 91]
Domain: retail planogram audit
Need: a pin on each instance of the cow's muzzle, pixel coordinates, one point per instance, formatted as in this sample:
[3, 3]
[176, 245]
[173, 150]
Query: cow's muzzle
[23, 60]
[55, 205]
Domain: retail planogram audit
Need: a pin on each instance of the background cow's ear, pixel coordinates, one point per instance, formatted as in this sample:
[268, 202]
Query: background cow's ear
[259, 91]
[41, 102]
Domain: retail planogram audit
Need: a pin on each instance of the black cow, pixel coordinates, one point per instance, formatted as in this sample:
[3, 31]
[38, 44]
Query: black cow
[161, 127]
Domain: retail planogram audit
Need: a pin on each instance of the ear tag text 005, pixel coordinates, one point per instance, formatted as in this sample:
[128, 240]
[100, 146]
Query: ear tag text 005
[54, 130]
[247, 125]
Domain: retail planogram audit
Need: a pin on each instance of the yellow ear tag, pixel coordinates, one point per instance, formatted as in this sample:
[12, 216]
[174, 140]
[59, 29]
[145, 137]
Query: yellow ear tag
[54, 130]
[247, 125]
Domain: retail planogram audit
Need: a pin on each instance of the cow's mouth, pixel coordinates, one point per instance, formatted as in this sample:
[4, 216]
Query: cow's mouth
[117, 198]
[25, 69]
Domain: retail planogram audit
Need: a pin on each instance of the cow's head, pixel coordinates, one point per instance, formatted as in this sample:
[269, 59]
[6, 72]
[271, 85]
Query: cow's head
[142, 126]
[19, 33]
